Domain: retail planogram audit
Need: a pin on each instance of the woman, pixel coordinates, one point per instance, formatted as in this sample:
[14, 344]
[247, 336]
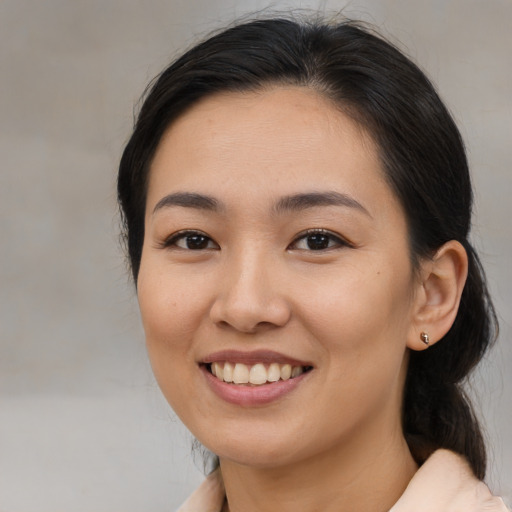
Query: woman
[297, 206]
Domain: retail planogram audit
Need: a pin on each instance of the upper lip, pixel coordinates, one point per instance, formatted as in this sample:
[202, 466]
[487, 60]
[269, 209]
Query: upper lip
[252, 357]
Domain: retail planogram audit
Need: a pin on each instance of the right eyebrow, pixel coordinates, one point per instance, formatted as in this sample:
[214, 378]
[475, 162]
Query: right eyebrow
[188, 200]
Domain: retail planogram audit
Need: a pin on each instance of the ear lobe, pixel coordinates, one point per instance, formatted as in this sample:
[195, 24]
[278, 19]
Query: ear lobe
[438, 297]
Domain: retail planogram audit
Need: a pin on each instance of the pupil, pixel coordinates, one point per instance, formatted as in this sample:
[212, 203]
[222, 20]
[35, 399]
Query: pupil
[317, 242]
[197, 242]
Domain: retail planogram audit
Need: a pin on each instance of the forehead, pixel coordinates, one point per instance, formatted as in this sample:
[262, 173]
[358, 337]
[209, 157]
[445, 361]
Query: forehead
[257, 117]
[273, 139]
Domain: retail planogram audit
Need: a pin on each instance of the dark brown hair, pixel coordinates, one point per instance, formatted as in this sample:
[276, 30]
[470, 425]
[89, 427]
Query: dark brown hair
[422, 154]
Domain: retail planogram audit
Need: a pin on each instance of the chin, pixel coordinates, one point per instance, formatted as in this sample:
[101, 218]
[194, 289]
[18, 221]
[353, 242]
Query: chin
[258, 455]
[258, 448]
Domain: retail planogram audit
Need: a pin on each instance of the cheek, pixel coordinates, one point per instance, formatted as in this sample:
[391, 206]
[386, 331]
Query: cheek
[361, 322]
[171, 313]
[350, 304]
[168, 302]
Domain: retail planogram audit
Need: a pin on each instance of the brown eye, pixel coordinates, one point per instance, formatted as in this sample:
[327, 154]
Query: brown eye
[192, 241]
[196, 242]
[318, 240]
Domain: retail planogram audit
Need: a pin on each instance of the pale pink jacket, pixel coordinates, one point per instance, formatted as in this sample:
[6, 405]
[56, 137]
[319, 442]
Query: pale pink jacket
[443, 484]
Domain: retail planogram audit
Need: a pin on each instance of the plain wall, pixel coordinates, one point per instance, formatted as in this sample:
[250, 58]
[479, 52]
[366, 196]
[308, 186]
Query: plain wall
[82, 424]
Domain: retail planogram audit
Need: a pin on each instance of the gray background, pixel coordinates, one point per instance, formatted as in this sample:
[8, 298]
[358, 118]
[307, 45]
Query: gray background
[82, 424]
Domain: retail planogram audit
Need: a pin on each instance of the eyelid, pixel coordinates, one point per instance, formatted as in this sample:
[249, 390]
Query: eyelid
[341, 241]
[171, 240]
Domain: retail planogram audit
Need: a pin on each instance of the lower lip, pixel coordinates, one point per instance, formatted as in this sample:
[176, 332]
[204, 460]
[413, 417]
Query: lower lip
[250, 396]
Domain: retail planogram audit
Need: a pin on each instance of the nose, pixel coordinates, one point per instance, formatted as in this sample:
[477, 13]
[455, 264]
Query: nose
[251, 297]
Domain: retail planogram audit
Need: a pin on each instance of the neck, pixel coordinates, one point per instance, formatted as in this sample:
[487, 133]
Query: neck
[366, 477]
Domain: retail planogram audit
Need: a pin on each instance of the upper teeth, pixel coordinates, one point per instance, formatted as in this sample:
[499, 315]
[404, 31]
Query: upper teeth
[256, 374]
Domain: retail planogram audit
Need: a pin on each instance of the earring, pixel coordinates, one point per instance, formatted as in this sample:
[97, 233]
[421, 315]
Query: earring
[425, 338]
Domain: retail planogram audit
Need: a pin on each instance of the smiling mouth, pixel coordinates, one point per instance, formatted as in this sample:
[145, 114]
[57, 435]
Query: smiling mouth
[257, 374]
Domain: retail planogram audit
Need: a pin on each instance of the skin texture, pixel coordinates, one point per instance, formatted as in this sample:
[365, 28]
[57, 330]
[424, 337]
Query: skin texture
[351, 310]
[445, 483]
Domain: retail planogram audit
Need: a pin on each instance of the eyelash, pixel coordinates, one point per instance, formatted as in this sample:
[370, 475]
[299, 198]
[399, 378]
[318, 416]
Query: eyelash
[333, 241]
[183, 235]
[332, 237]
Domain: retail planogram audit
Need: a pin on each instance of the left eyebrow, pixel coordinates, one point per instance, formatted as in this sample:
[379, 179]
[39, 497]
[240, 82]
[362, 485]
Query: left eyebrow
[303, 201]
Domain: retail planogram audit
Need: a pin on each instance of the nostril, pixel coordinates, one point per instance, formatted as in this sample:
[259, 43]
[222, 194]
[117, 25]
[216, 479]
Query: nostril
[247, 328]
[250, 308]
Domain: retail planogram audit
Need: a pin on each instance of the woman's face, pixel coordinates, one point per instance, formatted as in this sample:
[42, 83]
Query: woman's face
[273, 243]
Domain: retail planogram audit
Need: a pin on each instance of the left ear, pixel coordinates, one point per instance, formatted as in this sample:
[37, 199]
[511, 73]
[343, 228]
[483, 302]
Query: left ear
[438, 294]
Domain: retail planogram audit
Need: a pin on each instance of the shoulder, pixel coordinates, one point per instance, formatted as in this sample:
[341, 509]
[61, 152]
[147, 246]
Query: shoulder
[445, 483]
